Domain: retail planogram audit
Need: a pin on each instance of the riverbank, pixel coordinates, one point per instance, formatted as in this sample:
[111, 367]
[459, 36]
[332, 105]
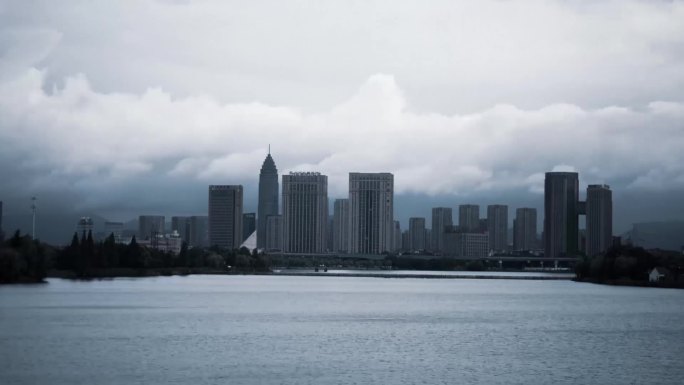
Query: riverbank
[422, 276]
[633, 283]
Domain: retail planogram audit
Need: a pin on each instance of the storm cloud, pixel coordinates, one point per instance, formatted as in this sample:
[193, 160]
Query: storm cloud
[136, 107]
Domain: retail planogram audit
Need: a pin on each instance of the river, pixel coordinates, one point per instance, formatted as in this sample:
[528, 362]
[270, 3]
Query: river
[339, 330]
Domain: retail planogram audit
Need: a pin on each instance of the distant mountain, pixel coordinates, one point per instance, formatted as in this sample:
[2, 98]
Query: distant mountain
[657, 235]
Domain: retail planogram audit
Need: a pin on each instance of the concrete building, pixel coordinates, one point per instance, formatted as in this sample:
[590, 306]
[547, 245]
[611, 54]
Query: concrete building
[198, 234]
[305, 212]
[371, 207]
[497, 227]
[442, 218]
[416, 234]
[149, 226]
[405, 241]
[525, 229]
[249, 225]
[274, 233]
[469, 217]
[181, 225]
[464, 244]
[225, 216]
[341, 226]
[599, 219]
[268, 197]
[561, 214]
[396, 240]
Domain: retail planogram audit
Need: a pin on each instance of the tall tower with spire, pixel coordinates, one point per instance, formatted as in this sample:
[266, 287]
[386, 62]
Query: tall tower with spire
[268, 197]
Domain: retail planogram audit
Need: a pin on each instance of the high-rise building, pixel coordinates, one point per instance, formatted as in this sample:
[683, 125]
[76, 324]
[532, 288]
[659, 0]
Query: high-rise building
[199, 231]
[417, 233]
[469, 217]
[464, 244]
[371, 208]
[525, 229]
[274, 233]
[225, 216]
[561, 214]
[268, 197]
[249, 224]
[181, 225]
[442, 218]
[397, 236]
[305, 212]
[341, 226]
[599, 209]
[149, 226]
[497, 227]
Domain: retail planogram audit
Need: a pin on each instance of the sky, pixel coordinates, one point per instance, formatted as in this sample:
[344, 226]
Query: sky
[117, 109]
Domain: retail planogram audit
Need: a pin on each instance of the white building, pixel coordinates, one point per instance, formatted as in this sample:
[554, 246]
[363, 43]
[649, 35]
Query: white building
[169, 242]
[657, 274]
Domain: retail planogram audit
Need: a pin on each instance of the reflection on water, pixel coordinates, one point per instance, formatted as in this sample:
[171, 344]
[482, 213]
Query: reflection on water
[294, 330]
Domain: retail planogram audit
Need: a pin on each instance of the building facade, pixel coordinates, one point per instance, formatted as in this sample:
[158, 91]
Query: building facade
[341, 226]
[149, 226]
[599, 211]
[371, 207]
[198, 234]
[305, 212]
[469, 217]
[442, 219]
[225, 216]
[561, 214]
[274, 233]
[416, 234]
[525, 229]
[497, 227]
[249, 224]
[268, 198]
[463, 244]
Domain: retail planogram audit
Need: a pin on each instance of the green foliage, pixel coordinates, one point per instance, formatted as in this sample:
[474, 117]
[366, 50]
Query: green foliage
[23, 259]
[626, 262]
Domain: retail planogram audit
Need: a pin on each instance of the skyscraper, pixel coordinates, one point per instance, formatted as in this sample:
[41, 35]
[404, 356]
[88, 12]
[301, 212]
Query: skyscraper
[182, 226]
[396, 236]
[417, 233]
[199, 231]
[371, 207]
[305, 212]
[525, 229]
[150, 226]
[341, 226]
[561, 212]
[274, 233]
[442, 217]
[248, 225]
[599, 208]
[225, 216]
[268, 198]
[497, 227]
[469, 217]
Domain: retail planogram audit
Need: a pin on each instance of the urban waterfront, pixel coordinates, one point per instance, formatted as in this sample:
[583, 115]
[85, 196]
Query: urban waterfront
[298, 330]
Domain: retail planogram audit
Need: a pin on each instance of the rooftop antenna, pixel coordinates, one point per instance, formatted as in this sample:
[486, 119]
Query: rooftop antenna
[269, 149]
[33, 211]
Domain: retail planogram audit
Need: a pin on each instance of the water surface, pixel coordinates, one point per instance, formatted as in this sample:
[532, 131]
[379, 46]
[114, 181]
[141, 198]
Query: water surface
[335, 330]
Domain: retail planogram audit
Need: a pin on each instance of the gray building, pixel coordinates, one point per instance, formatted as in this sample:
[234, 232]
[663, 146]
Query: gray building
[442, 219]
[371, 207]
[150, 226]
[225, 216]
[561, 214]
[469, 217]
[115, 229]
[268, 198]
[599, 221]
[182, 226]
[497, 227]
[198, 234]
[341, 226]
[464, 244]
[417, 233]
[249, 224]
[525, 229]
[305, 212]
[274, 233]
[397, 236]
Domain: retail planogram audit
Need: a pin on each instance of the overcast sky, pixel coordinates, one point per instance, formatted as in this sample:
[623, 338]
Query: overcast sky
[134, 107]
